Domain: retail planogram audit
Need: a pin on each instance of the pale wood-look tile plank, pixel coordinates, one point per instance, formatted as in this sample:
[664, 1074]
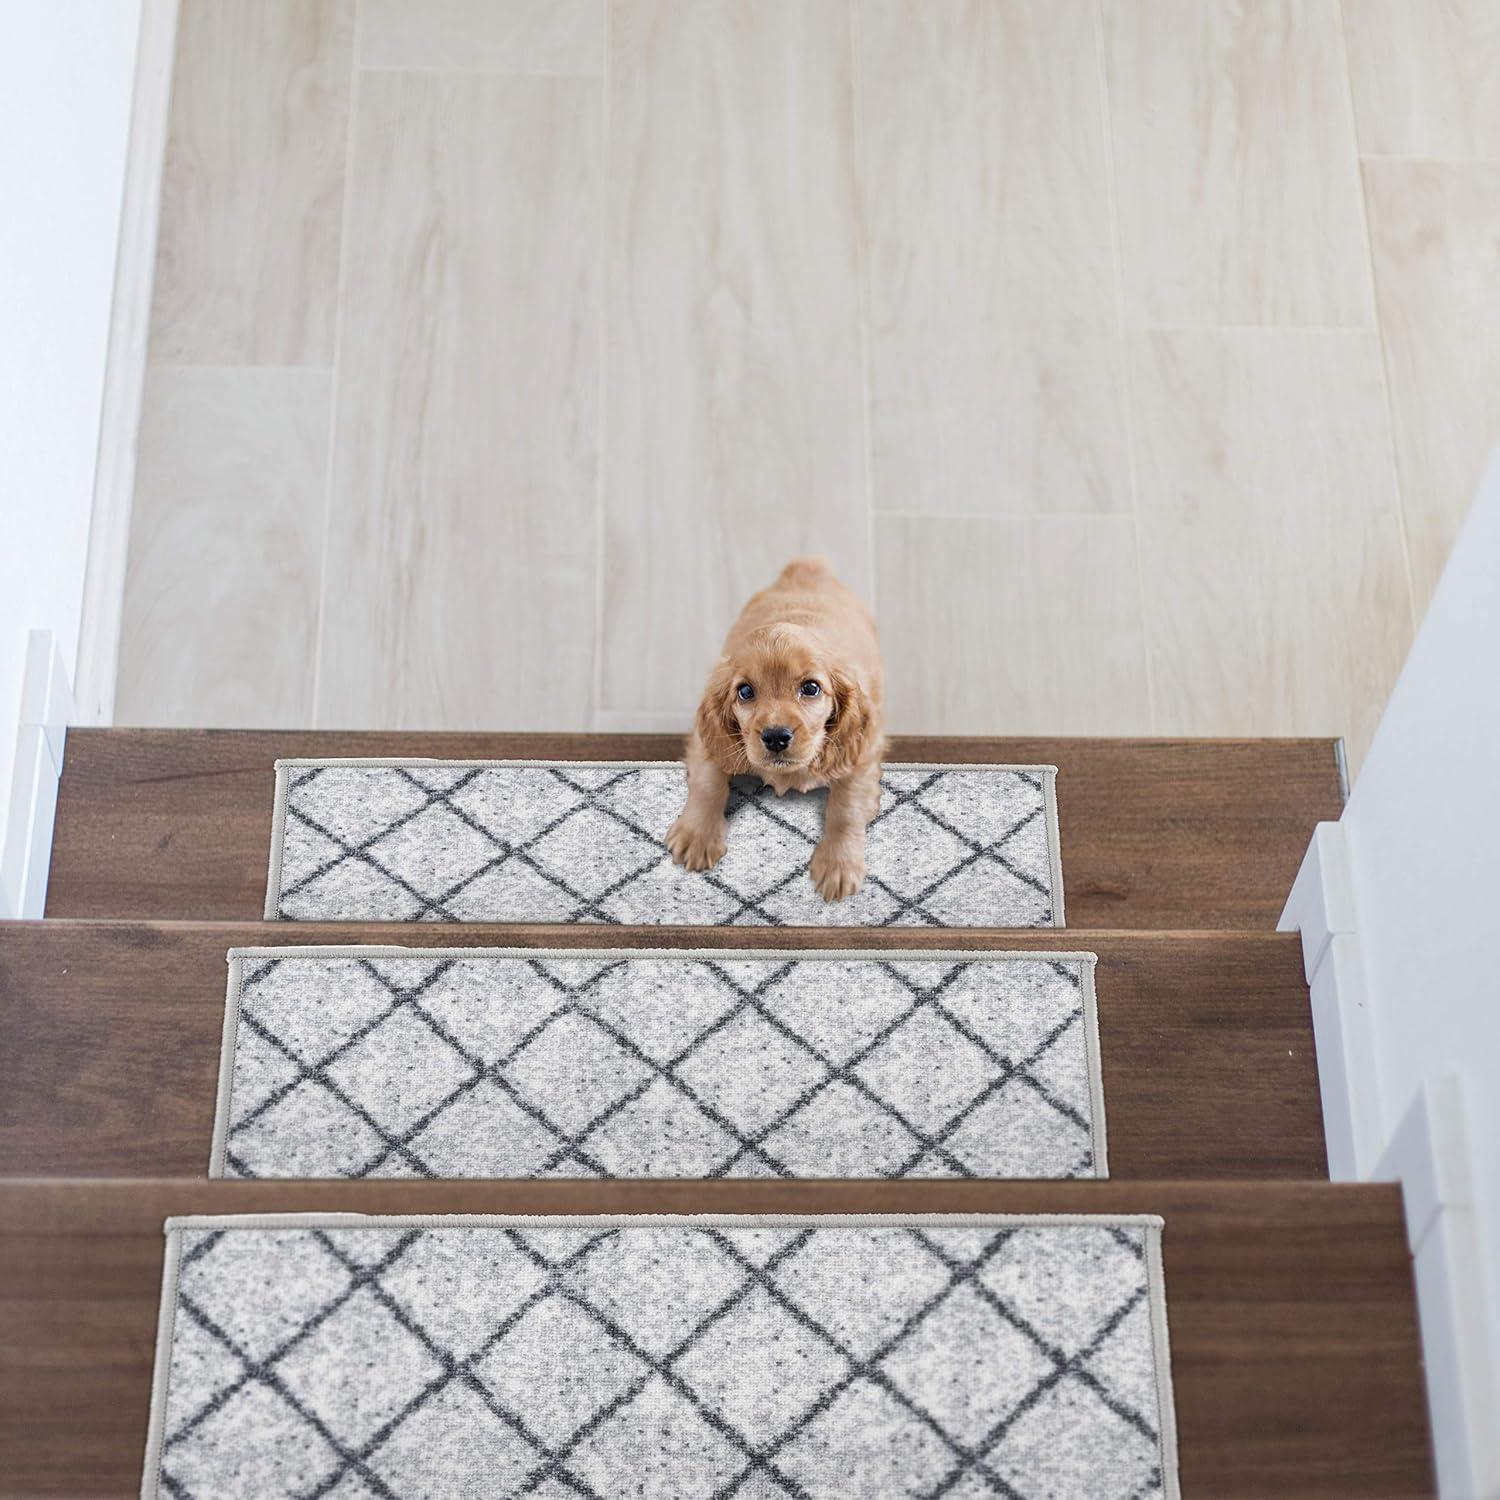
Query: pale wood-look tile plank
[1426, 77]
[226, 536]
[735, 430]
[995, 361]
[252, 188]
[460, 579]
[1027, 625]
[1276, 593]
[1435, 231]
[1236, 170]
[496, 36]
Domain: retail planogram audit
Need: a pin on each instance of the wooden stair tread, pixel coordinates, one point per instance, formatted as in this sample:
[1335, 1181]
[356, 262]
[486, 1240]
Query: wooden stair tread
[1295, 1347]
[1294, 1339]
[109, 1040]
[160, 824]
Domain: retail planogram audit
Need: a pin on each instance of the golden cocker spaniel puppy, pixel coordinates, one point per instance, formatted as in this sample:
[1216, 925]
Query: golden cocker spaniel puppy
[796, 699]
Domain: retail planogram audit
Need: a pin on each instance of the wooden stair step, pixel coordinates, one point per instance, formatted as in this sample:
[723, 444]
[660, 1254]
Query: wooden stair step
[110, 1033]
[1294, 1339]
[161, 824]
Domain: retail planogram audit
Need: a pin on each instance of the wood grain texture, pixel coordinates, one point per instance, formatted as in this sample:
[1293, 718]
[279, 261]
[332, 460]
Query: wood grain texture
[1048, 639]
[460, 576]
[109, 1037]
[735, 431]
[252, 188]
[1435, 236]
[226, 547]
[1426, 77]
[1237, 177]
[602, 373]
[538, 37]
[1155, 833]
[1293, 1328]
[996, 373]
[1236, 638]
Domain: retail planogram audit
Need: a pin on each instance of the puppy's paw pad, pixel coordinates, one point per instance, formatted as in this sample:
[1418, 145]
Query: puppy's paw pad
[697, 848]
[837, 873]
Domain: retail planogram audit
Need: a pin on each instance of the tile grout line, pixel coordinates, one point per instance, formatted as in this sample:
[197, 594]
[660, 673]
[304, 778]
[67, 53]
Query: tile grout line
[606, 80]
[1007, 515]
[1403, 520]
[1416, 160]
[253, 367]
[490, 71]
[1279, 330]
[862, 281]
[1126, 381]
[345, 220]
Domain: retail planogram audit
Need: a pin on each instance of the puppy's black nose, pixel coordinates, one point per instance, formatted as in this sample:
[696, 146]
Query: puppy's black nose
[776, 738]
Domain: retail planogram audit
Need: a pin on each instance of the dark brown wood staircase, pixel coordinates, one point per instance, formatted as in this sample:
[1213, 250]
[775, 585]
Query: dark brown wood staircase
[1294, 1338]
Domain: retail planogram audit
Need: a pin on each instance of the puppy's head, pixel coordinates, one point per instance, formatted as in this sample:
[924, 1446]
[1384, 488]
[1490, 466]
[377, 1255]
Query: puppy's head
[780, 703]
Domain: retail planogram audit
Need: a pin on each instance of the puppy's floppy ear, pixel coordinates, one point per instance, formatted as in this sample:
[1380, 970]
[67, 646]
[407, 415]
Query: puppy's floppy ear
[718, 729]
[848, 733]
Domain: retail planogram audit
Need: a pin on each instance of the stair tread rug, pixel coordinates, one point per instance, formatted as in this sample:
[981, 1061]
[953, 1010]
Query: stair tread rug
[411, 840]
[774, 1356]
[527, 1063]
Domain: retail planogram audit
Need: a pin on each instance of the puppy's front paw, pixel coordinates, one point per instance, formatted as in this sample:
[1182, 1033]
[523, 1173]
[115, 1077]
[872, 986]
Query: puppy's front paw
[696, 847]
[837, 870]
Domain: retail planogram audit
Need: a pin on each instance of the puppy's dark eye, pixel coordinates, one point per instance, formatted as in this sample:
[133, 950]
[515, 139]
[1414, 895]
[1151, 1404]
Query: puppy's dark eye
[809, 689]
[744, 692]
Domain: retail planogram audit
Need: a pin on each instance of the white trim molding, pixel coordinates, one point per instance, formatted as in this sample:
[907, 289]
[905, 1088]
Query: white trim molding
[46, 710]
[1321, 907]
[125, 367]
[1428, 1153]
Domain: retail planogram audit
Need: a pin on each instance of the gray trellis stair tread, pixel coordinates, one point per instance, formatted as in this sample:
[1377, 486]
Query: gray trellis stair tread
[1204, 834]
[1294, 1341]
[109, 1046]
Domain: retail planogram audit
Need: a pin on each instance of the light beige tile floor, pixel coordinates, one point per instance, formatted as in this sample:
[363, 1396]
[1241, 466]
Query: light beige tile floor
[995, 354]
[1222, 510]
[1426, 77]
[1136, 357]
[1435, 228]
[735, 417]
[1235, 164]
[544, 37]
[226, 548]
[1057, 646]
[252, 188]
[461, 558]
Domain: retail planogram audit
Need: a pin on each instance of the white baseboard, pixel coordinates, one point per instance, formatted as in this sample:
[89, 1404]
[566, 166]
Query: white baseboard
[1429, 1155]
[1348, 1067]
[125, 367]
[46, 708]
[1321, 907]
[1322, 898]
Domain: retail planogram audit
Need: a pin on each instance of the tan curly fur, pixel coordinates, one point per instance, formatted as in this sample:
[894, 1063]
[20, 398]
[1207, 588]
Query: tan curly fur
[802, 662]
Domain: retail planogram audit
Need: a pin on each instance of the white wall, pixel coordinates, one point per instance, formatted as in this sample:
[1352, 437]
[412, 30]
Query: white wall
[67, 69]
[1398, 904]
[1422, 832]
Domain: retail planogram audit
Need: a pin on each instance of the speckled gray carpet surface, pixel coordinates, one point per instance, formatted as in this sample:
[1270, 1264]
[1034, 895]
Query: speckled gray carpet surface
[693, 1357]
[582, 841]
[382, 1062]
